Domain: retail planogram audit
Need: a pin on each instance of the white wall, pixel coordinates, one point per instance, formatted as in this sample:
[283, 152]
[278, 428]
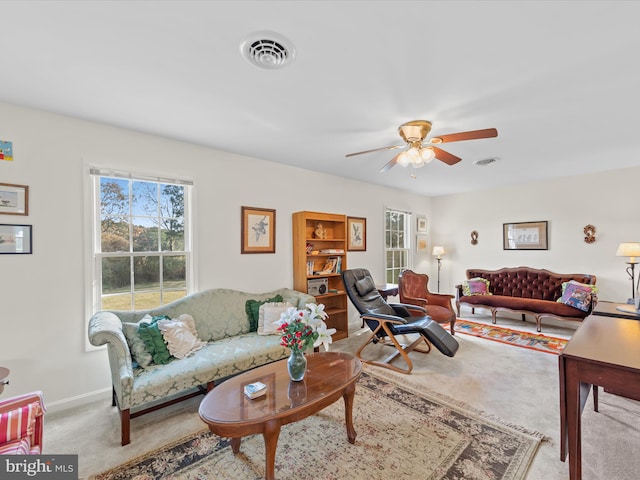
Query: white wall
[605, 200]
[42, 333]
[42, 337]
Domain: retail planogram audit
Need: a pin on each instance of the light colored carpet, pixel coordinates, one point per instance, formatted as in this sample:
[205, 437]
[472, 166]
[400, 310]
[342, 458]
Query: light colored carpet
[428, 436]
[513, 383]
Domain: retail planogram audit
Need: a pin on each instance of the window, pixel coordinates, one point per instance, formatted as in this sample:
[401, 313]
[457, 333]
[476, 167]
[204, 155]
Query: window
[141, 241]
[397, 246]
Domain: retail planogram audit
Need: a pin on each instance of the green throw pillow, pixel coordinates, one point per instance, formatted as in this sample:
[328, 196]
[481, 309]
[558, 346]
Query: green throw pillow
[154, 341]
[252, 307]
[137, 347]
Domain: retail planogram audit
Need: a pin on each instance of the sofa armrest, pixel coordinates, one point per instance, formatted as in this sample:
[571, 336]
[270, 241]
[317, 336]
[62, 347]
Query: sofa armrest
[105, 328]
[459, 292]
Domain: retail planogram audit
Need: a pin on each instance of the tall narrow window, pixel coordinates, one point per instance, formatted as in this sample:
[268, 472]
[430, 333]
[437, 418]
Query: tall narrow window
[141, 243]
[397, 232]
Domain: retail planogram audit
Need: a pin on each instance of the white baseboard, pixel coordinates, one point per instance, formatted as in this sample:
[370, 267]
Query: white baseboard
[80, 400]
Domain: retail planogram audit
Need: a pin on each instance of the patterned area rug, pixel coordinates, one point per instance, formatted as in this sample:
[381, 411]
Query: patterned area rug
[401, 433]
[533, 341]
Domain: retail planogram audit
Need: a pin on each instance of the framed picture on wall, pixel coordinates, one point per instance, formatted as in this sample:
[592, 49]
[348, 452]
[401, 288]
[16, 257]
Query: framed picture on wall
[356, 234]
[14, 199]
[258, 231]
[421, 244]
[15, 239]
[525, 236]
[421, 224]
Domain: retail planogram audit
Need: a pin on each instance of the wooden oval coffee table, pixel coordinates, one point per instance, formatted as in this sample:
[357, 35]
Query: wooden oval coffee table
[229, 413]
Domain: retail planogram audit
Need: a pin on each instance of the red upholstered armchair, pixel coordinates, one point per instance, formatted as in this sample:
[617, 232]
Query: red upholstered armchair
[21, 422]
[413, 290]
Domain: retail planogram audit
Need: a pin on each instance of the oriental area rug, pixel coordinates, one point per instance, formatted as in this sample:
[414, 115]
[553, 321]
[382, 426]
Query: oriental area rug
[402, 432]
[533, 341]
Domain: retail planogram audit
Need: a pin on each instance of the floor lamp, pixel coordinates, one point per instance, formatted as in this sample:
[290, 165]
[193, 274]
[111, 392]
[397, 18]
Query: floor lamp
[438, 252]
[631, 250]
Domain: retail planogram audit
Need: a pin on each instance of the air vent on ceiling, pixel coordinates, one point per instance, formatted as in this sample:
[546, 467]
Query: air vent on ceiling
[267, 50]
[484, 162]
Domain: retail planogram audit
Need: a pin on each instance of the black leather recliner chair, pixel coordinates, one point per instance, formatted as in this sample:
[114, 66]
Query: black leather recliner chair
[388, 320]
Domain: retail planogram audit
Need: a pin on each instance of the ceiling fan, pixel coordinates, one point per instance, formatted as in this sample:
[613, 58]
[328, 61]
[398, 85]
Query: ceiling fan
[419, 151]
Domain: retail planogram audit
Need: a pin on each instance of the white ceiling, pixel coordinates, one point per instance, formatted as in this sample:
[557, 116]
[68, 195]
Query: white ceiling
[559, 80]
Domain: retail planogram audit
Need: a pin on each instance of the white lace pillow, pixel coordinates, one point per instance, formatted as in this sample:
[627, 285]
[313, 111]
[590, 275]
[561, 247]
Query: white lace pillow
[268, 315]
[180, 335]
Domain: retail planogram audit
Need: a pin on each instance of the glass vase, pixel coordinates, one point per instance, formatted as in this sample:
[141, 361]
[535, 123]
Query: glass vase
[296, 365]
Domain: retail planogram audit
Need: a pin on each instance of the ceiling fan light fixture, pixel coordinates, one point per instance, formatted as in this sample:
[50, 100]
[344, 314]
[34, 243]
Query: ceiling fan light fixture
[403, 159]
[427, 154]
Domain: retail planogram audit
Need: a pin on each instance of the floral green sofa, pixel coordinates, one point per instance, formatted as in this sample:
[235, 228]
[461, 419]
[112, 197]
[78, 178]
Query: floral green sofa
[221, 320]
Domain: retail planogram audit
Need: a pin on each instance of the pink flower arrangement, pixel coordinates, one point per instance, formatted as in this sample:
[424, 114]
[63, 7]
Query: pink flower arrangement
[302, 329]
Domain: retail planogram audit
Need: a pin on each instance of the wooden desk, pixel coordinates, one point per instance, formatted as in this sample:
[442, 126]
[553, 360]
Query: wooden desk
[604, 352]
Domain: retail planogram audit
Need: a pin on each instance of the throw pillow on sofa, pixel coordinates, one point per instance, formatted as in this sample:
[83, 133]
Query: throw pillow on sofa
[137, 347]
[269, 313]
[252, 307]
[577, 295]
[154, 341]
[181, 336]
[476, 286]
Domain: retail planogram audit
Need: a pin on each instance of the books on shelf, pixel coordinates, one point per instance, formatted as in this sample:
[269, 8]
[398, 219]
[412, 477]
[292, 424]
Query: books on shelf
[310, 268]
[332, 265]
[255, 390]
[332, 250]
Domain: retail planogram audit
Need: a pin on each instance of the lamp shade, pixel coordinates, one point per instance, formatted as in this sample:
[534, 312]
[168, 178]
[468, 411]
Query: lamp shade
[439, 251]
[629, 249]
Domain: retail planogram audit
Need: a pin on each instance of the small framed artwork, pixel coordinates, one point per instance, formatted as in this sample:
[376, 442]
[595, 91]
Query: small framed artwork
[14, 199]
[356, 234]
[421, 224]
[421, 244]
[15, 238]
[258, 230]
[525, 236]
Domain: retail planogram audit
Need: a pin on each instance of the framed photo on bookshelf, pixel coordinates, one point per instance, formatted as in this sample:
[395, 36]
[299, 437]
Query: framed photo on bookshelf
[258, 231]
[357, 234]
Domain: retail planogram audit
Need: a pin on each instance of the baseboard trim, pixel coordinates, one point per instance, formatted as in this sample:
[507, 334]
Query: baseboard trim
[79, 400]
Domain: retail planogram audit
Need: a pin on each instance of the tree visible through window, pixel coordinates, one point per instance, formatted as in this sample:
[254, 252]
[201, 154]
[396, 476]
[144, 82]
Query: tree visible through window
[397, 244]
[141, 254]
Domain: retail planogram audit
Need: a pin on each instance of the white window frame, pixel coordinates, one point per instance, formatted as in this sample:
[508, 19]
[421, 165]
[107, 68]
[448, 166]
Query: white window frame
[93, 244]
[407, 249]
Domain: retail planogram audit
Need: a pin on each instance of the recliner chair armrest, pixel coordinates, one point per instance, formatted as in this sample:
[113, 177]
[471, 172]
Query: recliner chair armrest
[404, 309]
[383, 318]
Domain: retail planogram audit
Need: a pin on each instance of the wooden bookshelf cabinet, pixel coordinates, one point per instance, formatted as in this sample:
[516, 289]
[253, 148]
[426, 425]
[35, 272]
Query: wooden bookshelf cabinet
[308, 262]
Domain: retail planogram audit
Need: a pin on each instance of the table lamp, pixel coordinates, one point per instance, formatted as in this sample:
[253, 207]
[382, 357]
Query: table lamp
[631, 250]
[438, 252]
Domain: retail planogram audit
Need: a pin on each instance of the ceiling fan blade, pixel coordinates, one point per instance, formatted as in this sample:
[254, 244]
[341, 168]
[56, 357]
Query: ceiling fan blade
[391, 163]
[472, 135]
[445, 157]
[375, 150]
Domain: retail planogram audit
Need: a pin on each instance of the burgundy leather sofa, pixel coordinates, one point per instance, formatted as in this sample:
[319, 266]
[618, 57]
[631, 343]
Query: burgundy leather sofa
[525, 290]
